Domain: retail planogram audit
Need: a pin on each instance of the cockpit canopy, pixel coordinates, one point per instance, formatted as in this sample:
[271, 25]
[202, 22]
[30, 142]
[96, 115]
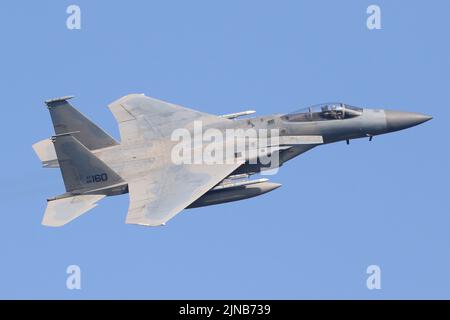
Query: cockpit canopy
[324, 111]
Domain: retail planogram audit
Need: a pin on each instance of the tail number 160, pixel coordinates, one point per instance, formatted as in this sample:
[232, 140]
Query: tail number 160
[97, 178]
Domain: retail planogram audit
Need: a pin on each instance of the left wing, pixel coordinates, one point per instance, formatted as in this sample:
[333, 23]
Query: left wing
[161, 194]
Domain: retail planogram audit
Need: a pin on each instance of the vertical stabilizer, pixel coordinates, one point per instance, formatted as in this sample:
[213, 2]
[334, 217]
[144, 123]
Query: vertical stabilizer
[66, 119]
[80, 168]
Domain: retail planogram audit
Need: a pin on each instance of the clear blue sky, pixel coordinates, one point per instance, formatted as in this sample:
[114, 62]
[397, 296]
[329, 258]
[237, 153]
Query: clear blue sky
[341, 208]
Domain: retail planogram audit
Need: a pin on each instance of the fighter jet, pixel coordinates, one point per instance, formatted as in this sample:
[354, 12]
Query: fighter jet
[146, 162]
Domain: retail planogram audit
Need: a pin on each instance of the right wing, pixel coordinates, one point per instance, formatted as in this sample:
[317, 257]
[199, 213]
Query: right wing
[142, 118]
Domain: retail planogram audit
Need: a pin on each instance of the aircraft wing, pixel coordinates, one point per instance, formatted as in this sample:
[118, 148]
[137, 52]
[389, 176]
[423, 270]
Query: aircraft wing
[161, 189]
[161, 194]
[144, 118]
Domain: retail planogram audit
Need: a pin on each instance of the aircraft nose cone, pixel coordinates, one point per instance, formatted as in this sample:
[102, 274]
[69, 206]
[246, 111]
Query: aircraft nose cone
[398, 120]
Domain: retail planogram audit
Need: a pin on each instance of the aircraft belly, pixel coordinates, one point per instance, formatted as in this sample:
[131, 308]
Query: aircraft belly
[234, 194]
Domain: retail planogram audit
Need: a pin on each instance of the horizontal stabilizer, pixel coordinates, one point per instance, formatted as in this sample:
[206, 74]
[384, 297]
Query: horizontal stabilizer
[61, 211]
[46, 153]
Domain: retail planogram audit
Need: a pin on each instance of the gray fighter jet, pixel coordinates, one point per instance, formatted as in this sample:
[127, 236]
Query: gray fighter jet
[146, 165]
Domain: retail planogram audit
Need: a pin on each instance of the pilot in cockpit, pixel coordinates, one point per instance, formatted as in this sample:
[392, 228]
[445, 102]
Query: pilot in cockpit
[323, 112]
[333, 111]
